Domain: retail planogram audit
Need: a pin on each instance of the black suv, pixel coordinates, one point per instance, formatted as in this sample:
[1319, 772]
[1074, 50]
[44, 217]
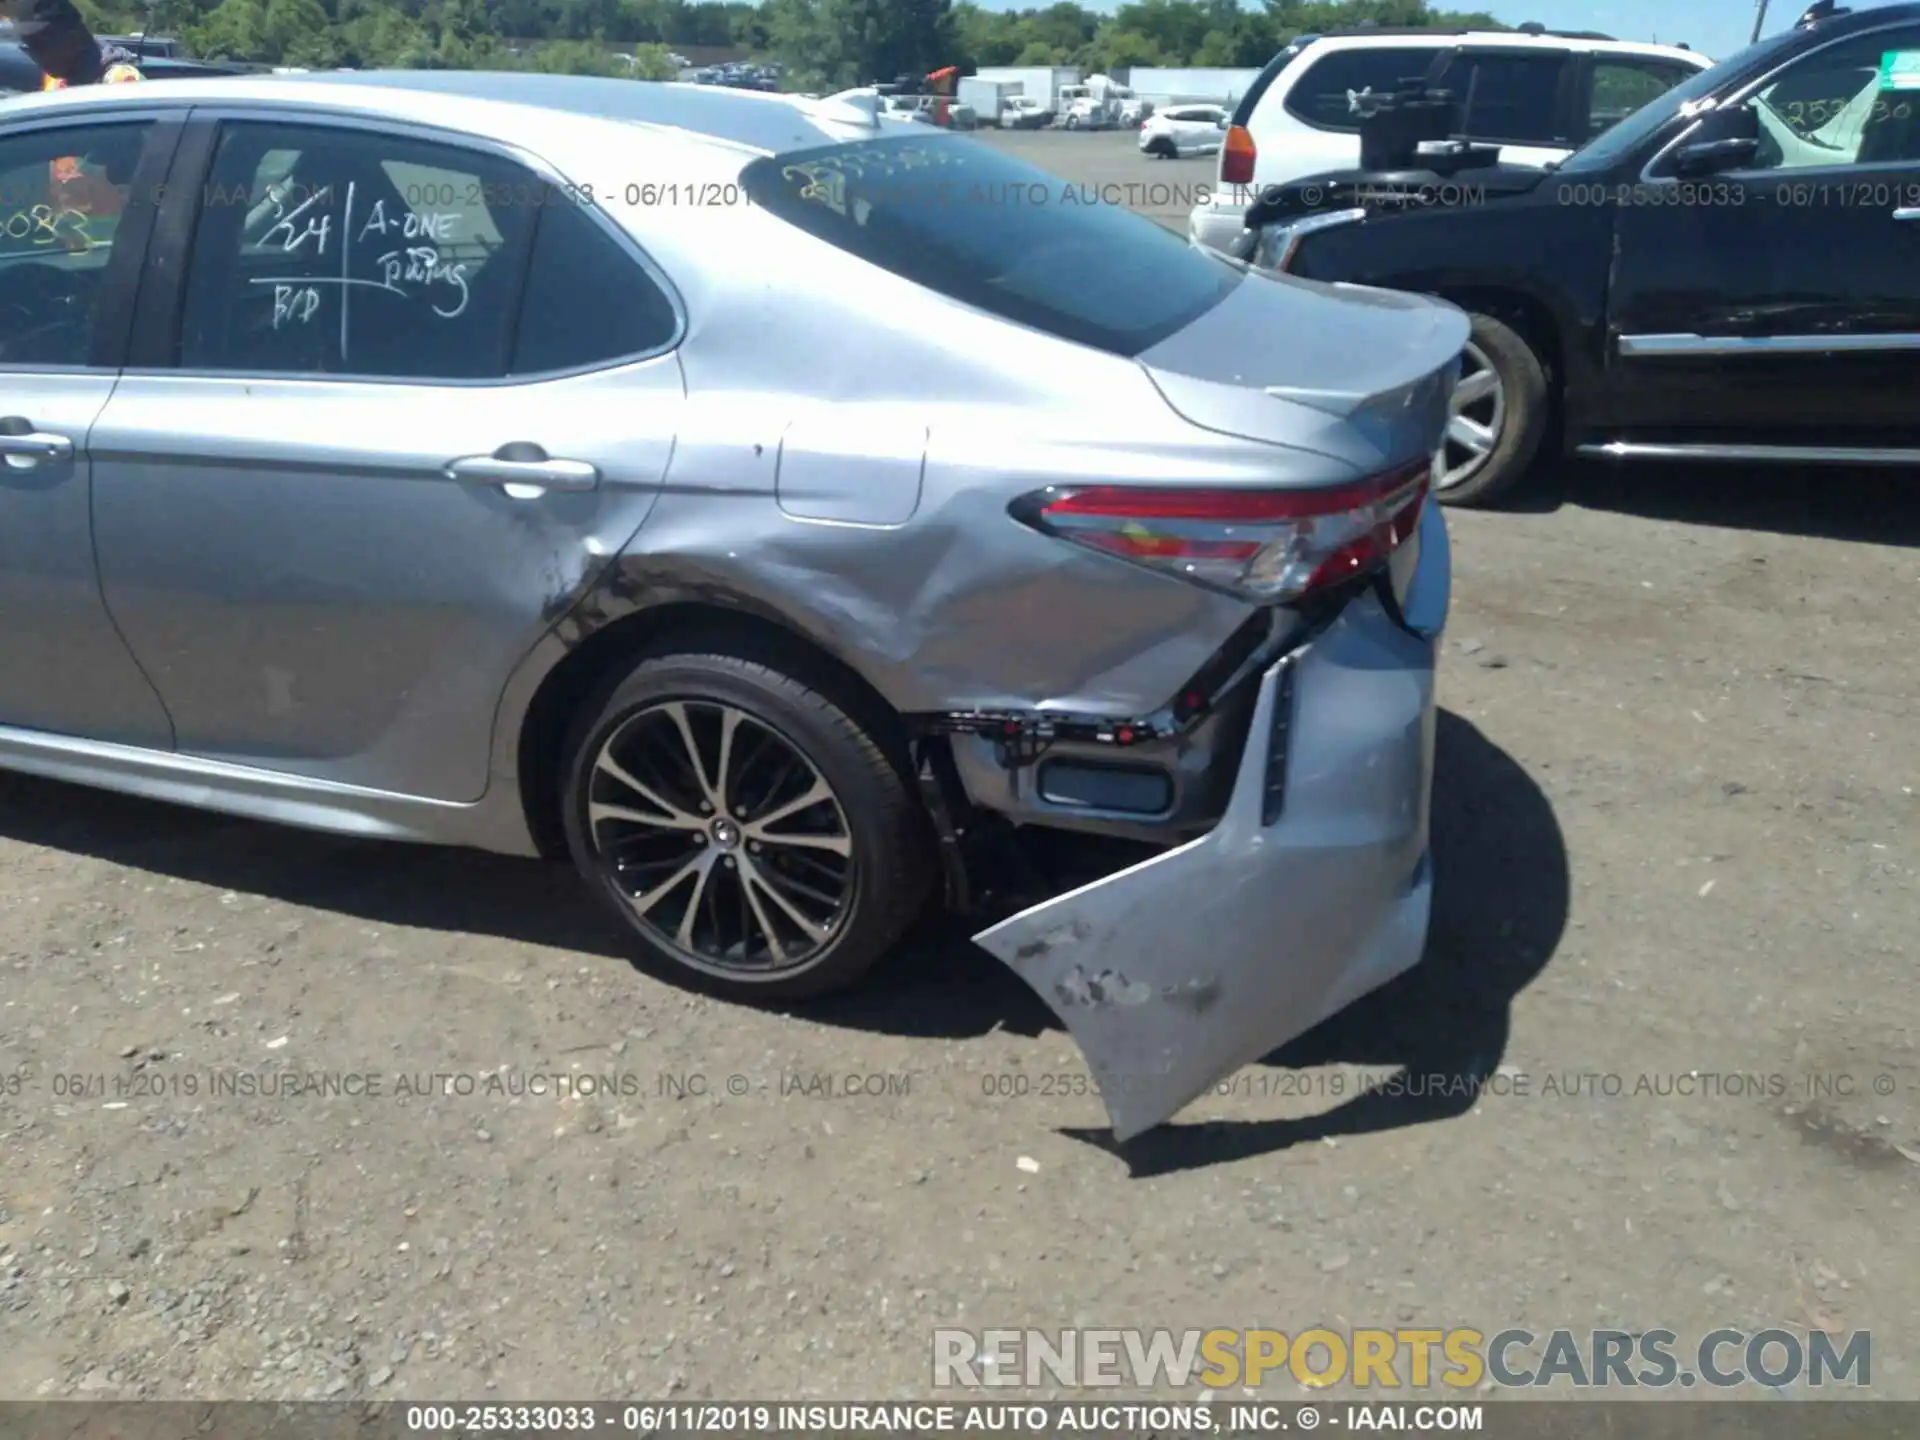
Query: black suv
[1731, 273]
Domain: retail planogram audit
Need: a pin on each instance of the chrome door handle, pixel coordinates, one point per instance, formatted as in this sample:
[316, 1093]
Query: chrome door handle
[1907, 212]
[524, 475]
[34, 445]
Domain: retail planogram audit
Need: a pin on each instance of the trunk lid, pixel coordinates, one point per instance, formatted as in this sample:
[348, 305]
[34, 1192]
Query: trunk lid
[1345, 370]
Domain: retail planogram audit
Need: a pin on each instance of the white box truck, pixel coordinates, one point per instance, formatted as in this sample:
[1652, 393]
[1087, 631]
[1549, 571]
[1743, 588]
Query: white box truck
[1037, 82]
[986, 98]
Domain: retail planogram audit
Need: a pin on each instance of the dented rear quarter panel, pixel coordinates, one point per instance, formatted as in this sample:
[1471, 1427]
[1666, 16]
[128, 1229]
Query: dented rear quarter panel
[806, 367]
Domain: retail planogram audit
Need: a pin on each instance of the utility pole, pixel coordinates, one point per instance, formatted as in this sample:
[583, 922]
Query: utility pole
[1759, 19]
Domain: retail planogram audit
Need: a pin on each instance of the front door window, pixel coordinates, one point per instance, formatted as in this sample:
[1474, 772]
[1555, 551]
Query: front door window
[1849, 104]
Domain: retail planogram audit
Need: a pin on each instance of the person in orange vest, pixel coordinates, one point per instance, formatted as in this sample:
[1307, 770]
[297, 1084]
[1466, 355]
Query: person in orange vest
[57, 39]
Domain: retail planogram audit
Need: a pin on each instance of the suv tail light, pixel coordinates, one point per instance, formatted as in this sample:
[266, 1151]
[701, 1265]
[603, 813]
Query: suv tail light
[1236, 157]
[1267, 546]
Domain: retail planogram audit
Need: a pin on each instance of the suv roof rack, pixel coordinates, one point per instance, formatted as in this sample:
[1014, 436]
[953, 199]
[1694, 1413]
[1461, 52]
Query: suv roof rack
[1818, 11]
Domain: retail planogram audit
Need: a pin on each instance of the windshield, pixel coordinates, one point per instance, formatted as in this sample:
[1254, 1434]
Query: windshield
[1626, 137]
[983, 228]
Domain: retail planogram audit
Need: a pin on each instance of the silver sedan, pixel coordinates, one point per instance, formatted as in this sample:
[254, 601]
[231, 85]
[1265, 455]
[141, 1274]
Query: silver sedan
[789, 515]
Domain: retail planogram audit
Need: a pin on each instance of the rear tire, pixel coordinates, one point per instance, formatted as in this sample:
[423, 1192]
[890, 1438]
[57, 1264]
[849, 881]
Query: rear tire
[730, 877]
[1501, 410]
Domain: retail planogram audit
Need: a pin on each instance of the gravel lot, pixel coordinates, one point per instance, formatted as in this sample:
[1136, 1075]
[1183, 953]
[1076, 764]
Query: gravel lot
[1676, 832]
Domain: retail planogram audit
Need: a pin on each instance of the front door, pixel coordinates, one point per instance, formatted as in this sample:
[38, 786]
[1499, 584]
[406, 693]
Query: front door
[418, 403]
[1778, 304]
[70, 251]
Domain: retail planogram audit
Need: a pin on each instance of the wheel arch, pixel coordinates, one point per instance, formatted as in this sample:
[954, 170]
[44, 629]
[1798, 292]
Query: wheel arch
[1531, 318]
[596, 662]
[1522, 313]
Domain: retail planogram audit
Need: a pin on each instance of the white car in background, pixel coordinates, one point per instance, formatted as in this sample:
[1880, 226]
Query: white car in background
[1184, 130]
[1023, 112]
[1538, 94]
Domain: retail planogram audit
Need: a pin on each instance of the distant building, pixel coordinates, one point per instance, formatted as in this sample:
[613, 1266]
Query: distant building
[1163, 86]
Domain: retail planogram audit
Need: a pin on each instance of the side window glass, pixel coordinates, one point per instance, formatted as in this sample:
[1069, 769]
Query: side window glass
[1512, 98]
[346, 252]
[1854, 103]
[588, 301]
[1622, 86]
[61, 196]
[1331, 95]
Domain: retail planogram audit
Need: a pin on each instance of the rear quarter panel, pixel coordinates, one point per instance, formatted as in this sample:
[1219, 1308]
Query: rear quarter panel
[794, 351]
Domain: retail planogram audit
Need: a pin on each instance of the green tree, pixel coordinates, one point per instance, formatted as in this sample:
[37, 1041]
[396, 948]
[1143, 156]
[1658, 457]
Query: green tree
[232, 30]
[822, 44]
[299, 33]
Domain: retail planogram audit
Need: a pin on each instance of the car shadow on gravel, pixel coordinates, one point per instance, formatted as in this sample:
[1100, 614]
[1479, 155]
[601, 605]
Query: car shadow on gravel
[426, 887]
[1429, 1040]
[1880, 506]
[1500, 904]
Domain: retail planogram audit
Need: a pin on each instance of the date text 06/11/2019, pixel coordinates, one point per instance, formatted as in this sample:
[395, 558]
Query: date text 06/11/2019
[1009, 1417]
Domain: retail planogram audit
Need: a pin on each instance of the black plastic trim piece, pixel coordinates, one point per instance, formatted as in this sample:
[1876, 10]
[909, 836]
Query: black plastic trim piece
[1273, 799]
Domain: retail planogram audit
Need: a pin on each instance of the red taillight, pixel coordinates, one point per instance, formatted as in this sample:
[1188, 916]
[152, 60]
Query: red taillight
[1265, 545]
[1236, 157]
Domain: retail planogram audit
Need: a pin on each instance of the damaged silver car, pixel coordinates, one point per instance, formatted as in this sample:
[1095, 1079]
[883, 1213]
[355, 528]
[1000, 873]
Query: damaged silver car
[792, 516]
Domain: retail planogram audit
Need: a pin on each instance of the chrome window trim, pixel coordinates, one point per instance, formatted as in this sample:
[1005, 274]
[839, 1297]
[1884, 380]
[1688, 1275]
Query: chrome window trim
[1741, 96]
[282, 112]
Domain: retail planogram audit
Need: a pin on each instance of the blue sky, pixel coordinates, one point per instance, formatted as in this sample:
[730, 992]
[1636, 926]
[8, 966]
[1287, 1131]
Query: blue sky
[1713, 27]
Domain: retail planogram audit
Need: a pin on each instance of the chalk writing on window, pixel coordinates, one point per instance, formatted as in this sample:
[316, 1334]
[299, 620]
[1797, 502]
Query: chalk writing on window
[47, 225]
[404, 254]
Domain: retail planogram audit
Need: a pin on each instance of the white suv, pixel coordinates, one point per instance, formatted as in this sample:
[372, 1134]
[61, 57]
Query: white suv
[1539, 95]
[1184, 130]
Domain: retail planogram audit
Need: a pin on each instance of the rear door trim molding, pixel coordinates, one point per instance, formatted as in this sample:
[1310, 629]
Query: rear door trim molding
[1752, 454]
[1686, 345]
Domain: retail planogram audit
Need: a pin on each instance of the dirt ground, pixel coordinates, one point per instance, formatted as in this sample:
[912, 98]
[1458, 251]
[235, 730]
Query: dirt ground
[1666, 1047]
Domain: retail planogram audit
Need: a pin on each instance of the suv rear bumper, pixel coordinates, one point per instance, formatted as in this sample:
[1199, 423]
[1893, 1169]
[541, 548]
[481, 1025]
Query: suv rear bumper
[1216, 224]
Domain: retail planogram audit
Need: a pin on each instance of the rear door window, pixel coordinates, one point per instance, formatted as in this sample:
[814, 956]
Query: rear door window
[1508, 97]
[337, 251]
[1330, 95]
[986, 229]
[1622, 84]
[588, 300]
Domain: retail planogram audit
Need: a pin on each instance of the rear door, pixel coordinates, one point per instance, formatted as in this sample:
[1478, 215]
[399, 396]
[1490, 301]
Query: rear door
[1185, 126]
[403, 403]
[1209, 128]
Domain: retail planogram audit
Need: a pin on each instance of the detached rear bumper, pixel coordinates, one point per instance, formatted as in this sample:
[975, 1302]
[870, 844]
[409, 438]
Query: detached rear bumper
[1314, 888]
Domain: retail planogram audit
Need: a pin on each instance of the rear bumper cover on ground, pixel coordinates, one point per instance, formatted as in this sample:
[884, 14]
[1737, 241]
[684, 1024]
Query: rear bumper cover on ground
[1175, 972]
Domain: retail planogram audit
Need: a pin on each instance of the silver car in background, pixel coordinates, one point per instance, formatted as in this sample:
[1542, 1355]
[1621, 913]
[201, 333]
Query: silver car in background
[779, 510]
